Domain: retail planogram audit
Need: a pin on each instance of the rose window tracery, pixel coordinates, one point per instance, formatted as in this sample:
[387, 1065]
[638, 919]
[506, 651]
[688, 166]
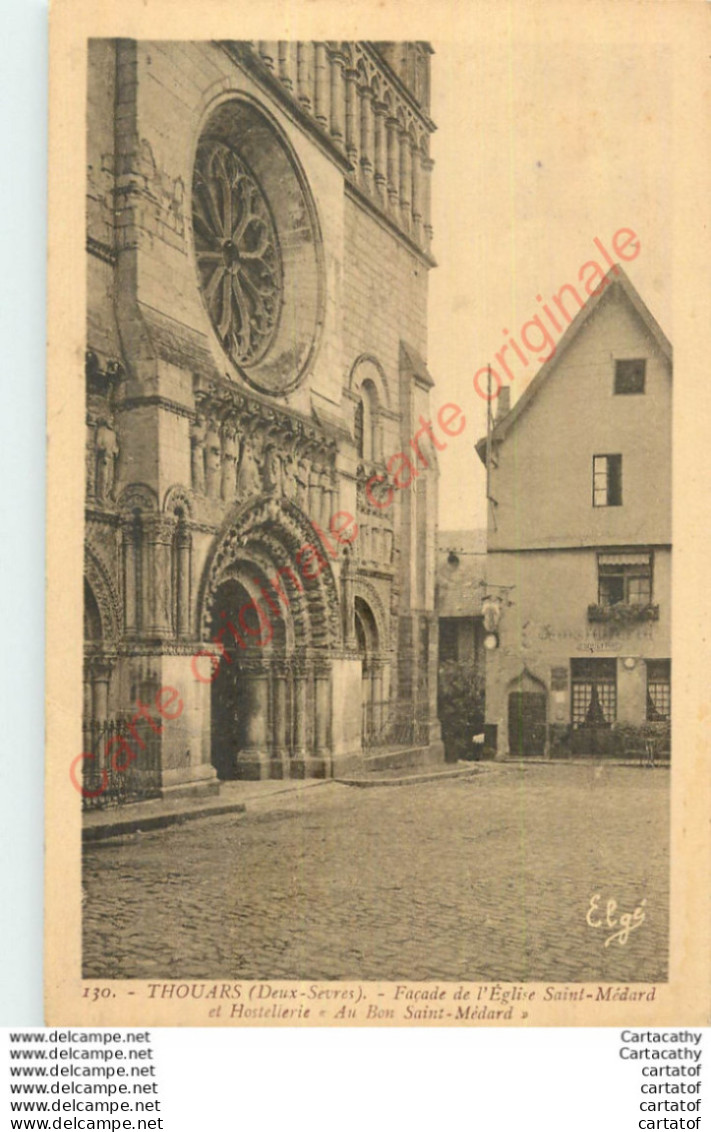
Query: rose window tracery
[237, 252]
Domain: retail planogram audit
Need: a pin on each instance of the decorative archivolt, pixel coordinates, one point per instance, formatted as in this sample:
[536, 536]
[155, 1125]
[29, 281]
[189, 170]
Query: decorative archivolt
[98, 577]
[137, 497]
[366, 367]
[274, 533]
[178, 498]
[367, 593]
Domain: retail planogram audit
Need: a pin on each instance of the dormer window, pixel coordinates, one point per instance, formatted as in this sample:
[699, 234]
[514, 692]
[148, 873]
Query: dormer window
[630, 374]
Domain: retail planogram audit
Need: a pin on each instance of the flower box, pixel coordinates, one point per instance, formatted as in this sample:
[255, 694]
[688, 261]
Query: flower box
[621, 614]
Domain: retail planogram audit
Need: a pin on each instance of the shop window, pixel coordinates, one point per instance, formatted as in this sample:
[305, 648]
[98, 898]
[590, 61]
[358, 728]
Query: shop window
[593, 691]
[658, 690]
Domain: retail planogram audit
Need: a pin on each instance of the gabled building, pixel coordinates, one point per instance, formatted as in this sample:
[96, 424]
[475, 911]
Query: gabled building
[579, 536]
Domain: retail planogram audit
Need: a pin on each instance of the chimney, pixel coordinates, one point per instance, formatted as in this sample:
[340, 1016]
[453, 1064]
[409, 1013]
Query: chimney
[503, 402]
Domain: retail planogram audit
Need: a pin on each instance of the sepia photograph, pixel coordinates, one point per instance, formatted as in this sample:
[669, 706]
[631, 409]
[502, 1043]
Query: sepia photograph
[376, 676]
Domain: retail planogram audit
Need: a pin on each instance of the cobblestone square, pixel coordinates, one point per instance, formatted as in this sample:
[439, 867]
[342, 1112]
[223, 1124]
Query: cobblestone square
[482, 878]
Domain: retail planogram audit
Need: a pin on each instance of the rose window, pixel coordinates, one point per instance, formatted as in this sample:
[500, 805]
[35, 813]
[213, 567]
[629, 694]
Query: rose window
[237, 252]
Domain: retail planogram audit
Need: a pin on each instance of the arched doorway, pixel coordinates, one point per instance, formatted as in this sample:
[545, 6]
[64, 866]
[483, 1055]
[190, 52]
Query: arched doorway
[270, 616]
[527, 716]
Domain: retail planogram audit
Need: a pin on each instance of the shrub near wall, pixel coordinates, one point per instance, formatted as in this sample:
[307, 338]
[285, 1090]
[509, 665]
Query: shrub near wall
[460, 706]
[623, 740]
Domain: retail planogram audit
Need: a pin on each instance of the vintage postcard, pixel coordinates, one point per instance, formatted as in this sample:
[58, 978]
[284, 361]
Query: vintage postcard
[377, 405]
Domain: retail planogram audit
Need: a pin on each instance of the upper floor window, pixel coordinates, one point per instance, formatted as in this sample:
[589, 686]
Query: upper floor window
[630, 375]
[366, 429]
[607, 481]
[624, 579]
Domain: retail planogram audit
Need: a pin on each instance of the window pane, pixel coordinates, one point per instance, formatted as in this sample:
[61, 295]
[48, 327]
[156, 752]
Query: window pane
[611, 590]
[614, 483]
[630, 375]
[594, 691]
[639, 591]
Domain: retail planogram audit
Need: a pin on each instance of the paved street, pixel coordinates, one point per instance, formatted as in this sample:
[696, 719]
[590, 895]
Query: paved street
[488, 877]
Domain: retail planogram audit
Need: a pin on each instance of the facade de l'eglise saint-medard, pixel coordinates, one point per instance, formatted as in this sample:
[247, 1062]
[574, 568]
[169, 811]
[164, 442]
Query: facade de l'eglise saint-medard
[258, 248]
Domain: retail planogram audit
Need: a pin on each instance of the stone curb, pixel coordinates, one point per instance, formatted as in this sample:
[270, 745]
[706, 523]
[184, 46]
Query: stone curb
[157, 821]
[145, 823]
[582, 760]
[413, 779]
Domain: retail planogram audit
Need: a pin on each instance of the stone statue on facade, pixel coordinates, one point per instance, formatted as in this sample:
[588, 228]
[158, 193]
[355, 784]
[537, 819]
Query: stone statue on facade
[198, 434]
[273, 472]
[230, 454]
[107, 450]
[249, 480]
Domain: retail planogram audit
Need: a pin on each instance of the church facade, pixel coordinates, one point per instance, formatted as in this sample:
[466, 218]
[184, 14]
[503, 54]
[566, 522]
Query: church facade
[259, 553]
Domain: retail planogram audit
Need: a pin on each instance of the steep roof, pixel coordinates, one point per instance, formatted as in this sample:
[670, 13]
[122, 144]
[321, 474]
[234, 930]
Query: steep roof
[616, 280]
[461, 573]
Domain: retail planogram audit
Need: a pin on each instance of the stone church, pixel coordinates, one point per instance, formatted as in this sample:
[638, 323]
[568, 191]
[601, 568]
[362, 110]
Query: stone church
[258, 249]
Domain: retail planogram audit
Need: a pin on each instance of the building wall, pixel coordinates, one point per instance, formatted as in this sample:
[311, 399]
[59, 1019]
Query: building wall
[547, 535]
[178, 441]
[543, 478]
[546, 624]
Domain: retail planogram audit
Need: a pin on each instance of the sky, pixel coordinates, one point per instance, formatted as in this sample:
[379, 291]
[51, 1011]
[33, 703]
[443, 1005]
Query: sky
[551, 131]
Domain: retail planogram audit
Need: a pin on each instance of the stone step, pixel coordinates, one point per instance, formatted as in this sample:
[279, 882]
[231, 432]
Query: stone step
[398, 757]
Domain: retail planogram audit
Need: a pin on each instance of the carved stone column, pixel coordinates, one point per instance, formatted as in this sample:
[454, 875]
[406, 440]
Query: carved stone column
[279, 721]
[352, 122]
[322, 85]
[381, 166]
[183, 552]
[427, 166]
[157, 575]
[325, 505]
[304, 77]
[132, 532]
[254, 758]
[314, 494]
[405, 180]
[268, 52]
[393, 163]
[300, 714]
[379, 697]
[366, 138]
[100, 675]
[87, 695]
[284, 64]
[322, 712]
[337, 77]
[416, 192]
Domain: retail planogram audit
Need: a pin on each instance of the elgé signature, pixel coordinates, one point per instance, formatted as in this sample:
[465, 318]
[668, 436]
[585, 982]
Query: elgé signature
[627, 923]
